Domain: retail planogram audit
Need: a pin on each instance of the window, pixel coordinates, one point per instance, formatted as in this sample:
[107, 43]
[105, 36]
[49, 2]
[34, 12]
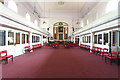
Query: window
[54, 36]
[36, 22]
[112, 5]
[105, 38]
[12, 5]
[38, 39]
[65, 36]
[2, 38]
[95, 39]
[23, 38]
[83, 39]
[60, 36]
[28, 17]
[27, 38]
[89, 39]
[119, 38]
[114, 39]
[17, 38]
[32, 39]
[100, 39]
[60, 29]
[35, 39]
[10, 38]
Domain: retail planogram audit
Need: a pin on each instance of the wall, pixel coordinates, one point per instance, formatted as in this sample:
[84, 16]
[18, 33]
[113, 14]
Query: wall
[24, 8]
[97, 12]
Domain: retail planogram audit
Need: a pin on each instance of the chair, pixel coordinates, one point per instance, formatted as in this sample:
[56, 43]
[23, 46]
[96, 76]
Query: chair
[104, 52]
[27, 48]
[5, 57]
[112, 56]
[99, 50]
[94, 49]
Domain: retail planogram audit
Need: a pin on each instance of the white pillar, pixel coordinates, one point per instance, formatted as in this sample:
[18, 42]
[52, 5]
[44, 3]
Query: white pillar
[92, 41]
[102, 38]
[20, 38]
[47, 39]
[6, 37]
[30, 41]
[79, 40]
[74, 39]
[42, 40]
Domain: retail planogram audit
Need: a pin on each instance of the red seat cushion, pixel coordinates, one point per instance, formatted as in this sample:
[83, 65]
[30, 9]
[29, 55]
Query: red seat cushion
[3, 57]
[30, 49]
[104, 54]
[9, 56]
[111, 57]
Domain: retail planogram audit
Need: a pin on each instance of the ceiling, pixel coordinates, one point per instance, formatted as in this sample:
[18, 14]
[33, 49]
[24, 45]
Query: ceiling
[45, 8]
[66, 7]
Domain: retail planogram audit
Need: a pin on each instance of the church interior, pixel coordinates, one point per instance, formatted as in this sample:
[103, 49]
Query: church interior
[77, 39]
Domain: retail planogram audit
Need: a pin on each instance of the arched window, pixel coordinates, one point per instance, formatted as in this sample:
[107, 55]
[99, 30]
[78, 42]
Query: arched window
[36, 22]
[28, 16]
[12, 5]
[87, 22]
[112, 5]
[82, 24]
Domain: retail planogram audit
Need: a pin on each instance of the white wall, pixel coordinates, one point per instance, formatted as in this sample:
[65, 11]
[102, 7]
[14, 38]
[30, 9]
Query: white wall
[97, 12]
[24, 8]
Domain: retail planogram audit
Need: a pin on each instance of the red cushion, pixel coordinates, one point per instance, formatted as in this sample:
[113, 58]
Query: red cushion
[3, 57]
[30, 49]
[9, 56]
[111, 57]
[104, 54]
[114, 53]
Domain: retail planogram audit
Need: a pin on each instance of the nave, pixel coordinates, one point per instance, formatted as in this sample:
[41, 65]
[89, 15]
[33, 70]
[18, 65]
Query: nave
[59, 63]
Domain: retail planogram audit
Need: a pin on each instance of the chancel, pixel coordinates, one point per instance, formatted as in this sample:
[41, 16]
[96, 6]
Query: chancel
[77, 39]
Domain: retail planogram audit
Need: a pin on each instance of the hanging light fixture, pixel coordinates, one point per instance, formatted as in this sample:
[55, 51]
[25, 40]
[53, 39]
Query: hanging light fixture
[35, 12]
[72, 20]
[78, 22]
[44, 13]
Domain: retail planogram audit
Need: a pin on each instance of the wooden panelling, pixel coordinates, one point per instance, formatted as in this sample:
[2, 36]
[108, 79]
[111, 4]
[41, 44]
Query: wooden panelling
[53, 32]
[56, 33]
[67, 32]
[64, 33]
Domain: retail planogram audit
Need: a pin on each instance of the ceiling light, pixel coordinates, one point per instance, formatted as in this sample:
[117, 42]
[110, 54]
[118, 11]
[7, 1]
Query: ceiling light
[44, 22]
[60, 3]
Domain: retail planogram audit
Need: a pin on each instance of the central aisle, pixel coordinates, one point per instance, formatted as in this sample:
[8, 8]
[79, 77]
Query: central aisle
[59, 63]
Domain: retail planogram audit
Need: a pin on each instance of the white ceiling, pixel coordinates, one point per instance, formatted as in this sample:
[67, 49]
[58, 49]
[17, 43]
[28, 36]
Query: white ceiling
[67, 7]
[52, 9]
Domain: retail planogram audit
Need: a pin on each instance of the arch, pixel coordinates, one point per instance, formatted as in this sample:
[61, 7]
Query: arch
[87, 21]
[60, 31]
[82, 24]
[12, 5]
[28, 17]
[36, 22]
[60, 23]
[112, 5]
